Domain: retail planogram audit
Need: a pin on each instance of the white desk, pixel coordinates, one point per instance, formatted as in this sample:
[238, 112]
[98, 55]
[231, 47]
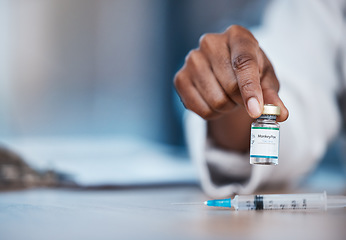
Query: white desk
[149, 214]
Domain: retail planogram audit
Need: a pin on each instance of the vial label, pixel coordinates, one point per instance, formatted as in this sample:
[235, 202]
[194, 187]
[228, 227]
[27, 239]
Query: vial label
[264, 142]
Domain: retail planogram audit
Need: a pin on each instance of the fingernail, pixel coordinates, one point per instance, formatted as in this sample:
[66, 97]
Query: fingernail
[254, 107]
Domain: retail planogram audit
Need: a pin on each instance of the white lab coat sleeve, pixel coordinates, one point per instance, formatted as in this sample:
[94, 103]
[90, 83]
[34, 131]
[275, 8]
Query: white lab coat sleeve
[302, 39]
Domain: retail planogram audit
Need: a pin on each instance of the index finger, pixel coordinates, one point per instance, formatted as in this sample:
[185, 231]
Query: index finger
[245, 63]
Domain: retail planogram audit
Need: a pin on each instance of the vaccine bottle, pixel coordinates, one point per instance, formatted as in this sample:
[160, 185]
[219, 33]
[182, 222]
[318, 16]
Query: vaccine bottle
[265, 137]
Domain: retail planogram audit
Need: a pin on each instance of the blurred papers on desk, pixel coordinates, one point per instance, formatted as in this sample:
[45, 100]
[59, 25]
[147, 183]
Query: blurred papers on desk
[106, 161]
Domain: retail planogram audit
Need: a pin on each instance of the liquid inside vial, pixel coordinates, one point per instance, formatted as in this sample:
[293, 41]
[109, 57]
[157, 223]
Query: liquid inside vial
[265, 138]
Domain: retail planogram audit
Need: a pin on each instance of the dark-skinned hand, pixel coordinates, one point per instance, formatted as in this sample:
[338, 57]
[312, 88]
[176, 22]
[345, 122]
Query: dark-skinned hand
[226, 81]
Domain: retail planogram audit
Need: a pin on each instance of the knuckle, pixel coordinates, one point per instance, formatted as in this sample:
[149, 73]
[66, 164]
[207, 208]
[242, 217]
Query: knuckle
[204, 38]
[208, 40]
[192, 57]
[219, 103]
[207, 114]
[242, 62]
[235, 28]
[179, 80]
[189, 54]
[242, 35]
[238, 30]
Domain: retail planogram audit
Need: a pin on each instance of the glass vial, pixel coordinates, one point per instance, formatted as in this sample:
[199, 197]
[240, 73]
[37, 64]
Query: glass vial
[265, 137]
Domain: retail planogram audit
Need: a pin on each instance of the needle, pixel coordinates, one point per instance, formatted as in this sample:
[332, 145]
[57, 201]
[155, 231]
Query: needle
[188, 203]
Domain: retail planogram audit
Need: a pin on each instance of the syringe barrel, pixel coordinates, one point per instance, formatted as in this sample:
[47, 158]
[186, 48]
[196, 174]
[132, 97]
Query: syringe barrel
[280, 201]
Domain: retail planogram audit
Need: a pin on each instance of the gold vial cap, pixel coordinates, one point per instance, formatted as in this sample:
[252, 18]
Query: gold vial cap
[270, 109]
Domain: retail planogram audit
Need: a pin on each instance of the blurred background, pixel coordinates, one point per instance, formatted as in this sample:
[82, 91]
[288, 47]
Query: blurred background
[86, 86]
[86, 68]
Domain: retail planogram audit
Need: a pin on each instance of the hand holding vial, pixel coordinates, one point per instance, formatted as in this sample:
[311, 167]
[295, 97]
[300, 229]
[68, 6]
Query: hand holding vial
[227, 81]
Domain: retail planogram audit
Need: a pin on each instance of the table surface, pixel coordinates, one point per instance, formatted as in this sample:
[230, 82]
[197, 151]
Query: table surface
[149, 213]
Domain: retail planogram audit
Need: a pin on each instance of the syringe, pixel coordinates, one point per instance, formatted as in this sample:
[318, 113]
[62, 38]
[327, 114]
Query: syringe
[317, 201]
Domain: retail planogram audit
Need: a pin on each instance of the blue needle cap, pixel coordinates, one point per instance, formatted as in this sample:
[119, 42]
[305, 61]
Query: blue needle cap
[219, 203]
